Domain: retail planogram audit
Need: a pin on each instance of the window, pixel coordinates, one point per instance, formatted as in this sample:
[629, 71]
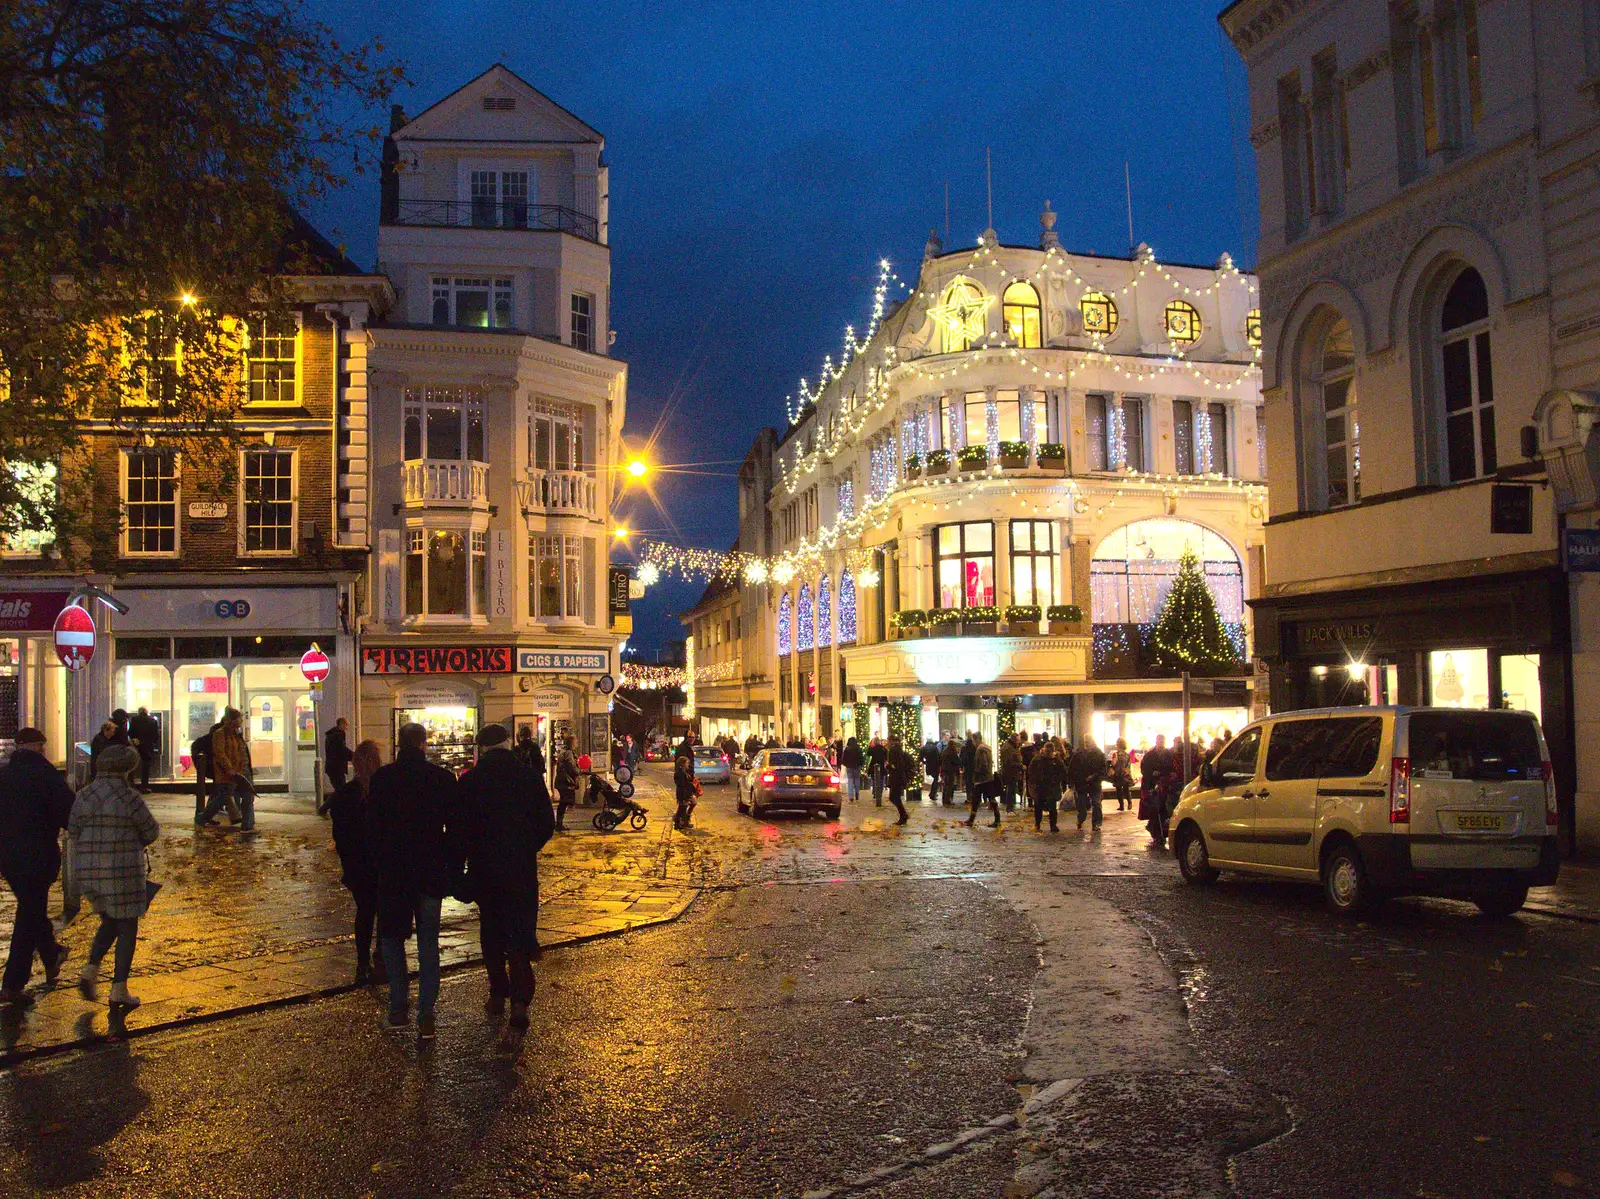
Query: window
[1294, 138]
[1211, 440]
[1469, 30]
[150, 502]
[1182, 323]
[1183, 436]
[557, 442]
[472, 302]
[555, 569]
[961, 316]
[1458, 678]
[1020, 307]
[1033, 562]
[1326, 158]
[480, 572]
[963, 562]
[1476, 746]
[447, 573]
[805, 620]
[1252, 328]
[1097, 410]
[268, 487]
[499, 199]
[414, 567]
[1099, 313]
[444, 423]
[1036, 420]
[785, 641]
[847, 498]
[583, 321]
[1116, 433]
[1236, 765]
[1294, 750]
[847, 609]
[1132, 570]
[1261, 441]
[1466, 376]
[36, 490]
[270, 356]
[824, 612]
[976, 428]
[1336, 389]
[882, 467]
[1432, 140]
[154, 345]
[1351, 747]
[444, 570]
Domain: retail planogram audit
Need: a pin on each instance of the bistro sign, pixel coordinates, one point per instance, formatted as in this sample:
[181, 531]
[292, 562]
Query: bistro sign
[437, 659]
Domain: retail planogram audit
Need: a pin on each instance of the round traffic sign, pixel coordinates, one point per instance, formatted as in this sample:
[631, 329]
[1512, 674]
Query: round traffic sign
[314, 664]
[605, 684]
[625, 790]
[623, 773]
[74, 637]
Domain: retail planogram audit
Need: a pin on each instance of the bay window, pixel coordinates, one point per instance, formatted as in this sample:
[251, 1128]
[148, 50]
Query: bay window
[1033, 562]
[557, 441]
[963, 558]
[446, 572]
[555, 577]
[444, 423]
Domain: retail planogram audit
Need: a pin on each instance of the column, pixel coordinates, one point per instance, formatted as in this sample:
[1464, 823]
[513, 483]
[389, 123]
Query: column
[1078, 564]
[1163, 453]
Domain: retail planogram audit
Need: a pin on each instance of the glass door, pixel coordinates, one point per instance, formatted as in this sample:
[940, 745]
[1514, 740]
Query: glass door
[305, 743]
[267, 732]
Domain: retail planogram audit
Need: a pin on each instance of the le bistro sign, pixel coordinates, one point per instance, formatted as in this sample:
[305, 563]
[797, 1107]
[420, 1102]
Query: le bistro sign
[438, 659]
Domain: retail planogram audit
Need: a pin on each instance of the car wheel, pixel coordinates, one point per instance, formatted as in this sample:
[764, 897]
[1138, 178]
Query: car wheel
[756, 810]
[742, 806]
[1499, 902]
[832, 813]
[1344, 882]
[1193, 861]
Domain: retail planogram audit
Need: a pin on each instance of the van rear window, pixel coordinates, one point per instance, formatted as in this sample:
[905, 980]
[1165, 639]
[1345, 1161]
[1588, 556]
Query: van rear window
[1486, 746]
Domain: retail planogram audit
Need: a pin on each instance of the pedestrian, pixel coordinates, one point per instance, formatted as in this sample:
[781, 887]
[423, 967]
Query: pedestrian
[752, 745]
[528, 750]
[686, 789]
[35, 803]
[1157, 773]
[230, 765]
[144, 733]
[412, 811]
[98, 743]
[505, 812]
[1011, 776]
[1086, 772]
[899, 770]
[1045, 779]
[567, 779]
[336, 753]
[929, 759]
[200, 759]
[949, 770]
[969, 751]
[851, 759]
[1120, 764]
[877, 766]
[982, 781]
[111, 826]
[349, 809]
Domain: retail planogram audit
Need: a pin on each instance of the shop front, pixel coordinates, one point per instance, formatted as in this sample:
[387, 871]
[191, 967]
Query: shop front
[33, 683]
[1493, 641]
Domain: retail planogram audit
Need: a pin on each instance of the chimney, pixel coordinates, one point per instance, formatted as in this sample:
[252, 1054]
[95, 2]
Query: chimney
[388, 177]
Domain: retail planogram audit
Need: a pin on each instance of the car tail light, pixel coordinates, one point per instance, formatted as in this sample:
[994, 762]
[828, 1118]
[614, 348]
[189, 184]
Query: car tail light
[769, 778]
[1400, 791]
[1549, 796]
[724, 759]
[833, 780]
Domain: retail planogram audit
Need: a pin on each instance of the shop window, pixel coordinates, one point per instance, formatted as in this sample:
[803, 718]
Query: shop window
[444, 423]
[964, 564]
[1033, 562]
[271, 352]
[1020, 307]
[474, 303]
[1458, 678]
[452, 732]
[269, 502]
[1466, 377]
[156, 649]
[555, 566]
[199, 695]
[1519, 683]
[1099, 313]
[150, 503]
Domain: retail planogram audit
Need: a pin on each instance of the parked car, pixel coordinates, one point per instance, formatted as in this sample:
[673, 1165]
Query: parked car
[1373, 802]
[790, 780]
[658, 751]
[710, 764]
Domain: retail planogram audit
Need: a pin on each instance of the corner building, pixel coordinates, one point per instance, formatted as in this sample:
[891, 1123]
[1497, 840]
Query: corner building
[975, 521]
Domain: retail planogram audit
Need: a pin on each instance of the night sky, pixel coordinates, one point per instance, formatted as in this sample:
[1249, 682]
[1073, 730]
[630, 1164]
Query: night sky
[765, 156]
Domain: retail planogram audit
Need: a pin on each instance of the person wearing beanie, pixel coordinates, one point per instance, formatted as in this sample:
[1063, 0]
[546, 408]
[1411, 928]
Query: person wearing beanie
[35, 803]
[112, 826]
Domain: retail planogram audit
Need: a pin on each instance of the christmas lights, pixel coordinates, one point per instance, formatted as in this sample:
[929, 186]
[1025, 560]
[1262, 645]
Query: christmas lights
[1189, 635]
[785, 641]
[806, 630]
[824, 613]
[847, 609]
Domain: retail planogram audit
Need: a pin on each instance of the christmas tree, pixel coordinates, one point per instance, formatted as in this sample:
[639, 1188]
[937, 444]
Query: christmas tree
[1189, 635]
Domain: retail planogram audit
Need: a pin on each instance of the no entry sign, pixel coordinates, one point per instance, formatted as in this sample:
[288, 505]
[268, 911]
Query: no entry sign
[314, 664]
[74, 637]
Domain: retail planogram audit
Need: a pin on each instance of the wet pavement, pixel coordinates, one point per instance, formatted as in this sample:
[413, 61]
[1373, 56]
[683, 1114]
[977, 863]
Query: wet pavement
[854, 1009]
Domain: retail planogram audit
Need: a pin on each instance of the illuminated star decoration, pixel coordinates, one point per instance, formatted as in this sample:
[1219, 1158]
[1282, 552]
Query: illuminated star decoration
[964, 314]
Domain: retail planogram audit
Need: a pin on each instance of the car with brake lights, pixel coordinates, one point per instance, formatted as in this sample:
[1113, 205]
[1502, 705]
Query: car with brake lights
[790, 780]
[711, 764]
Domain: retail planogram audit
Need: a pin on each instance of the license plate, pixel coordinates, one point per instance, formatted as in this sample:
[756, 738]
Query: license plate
[1479, 822]
[807, 781]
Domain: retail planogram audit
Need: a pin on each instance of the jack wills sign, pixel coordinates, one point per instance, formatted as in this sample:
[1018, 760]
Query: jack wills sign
[1330, 634]
[437, 659]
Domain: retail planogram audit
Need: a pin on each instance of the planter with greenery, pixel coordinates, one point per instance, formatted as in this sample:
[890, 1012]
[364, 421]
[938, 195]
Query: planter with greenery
[980, 620]
[909, 622]
[940, 620]
[973, 457]
[913, 465]
[1023, 619]
[1053, 456]
[1065, 618]
[1013, 455]
[938, 462]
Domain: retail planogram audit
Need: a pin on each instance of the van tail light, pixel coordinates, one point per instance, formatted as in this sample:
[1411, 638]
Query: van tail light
[768, 779]
[1400, 791]
[1549, 796]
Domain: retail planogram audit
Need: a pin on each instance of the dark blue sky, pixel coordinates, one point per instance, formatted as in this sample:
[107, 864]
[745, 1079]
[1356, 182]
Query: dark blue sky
[764, 156]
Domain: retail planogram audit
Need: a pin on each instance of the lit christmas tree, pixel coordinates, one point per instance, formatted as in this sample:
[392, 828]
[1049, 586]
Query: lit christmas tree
[1189, 635]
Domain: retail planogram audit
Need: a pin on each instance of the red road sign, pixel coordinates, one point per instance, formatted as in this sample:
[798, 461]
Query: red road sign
[314, 664]
[74, 637]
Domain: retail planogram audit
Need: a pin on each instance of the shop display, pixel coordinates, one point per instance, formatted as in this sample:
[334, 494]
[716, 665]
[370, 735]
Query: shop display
[452, 733]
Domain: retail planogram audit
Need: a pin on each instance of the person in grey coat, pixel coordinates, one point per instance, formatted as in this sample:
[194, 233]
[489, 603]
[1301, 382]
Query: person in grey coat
[112, 825]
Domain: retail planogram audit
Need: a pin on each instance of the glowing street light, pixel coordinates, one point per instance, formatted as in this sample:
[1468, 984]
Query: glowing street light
[620, 532]
[187, 299]
[638, 468]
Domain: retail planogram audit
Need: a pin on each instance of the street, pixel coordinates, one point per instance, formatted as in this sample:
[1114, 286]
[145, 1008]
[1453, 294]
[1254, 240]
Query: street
[850, 1009]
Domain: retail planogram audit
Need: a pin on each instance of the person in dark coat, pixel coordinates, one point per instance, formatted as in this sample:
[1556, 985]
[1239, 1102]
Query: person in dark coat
[982, 788]
[145, 734]
[900, 771]
[567, 779]
[529, 752]
[949, 770]
[348, 807]
[1012, 778]
[200, 758]
[336, 753]
[1086, 773]
[111, 733]
[929, 756]
[1045, 781]
[752, 746]
[505, 814]
[851, 759]
[877, 766]
[969, 751]
[35, 802]
[413, 820]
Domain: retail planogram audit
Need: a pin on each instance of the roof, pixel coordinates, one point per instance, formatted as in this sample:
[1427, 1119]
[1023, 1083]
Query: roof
[319, 254]
[588, 131]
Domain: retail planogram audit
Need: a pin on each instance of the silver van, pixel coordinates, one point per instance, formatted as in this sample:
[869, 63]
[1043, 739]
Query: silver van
[1373, 802]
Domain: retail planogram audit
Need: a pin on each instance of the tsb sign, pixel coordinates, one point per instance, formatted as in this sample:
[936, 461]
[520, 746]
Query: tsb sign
[236, 609]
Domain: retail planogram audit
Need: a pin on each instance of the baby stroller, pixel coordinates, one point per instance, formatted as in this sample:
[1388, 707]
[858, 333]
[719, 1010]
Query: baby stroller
[616, 803]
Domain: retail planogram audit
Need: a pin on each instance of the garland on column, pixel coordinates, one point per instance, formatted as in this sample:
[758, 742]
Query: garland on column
[863, 723]
[1189, 635]
[905, 722]
[1005, 721]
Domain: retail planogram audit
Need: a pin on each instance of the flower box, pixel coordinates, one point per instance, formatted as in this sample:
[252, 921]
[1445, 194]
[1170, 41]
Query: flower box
[1065, 619]
[973, 457]
[981, 620]
[913, 466]
[1023, 620]
[938, 463]
[942, 621]
[1053, 457]
[1013, 455]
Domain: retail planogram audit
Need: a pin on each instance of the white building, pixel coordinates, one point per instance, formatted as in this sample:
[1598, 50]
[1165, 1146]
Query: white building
[1428, 207]
[1029, 429]
[493, 423]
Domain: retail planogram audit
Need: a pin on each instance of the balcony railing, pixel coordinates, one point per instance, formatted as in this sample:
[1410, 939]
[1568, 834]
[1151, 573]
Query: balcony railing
[561, 492]
[478, 214]
[441, 482]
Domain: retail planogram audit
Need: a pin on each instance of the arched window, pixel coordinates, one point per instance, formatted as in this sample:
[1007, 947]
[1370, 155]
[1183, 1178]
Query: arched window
[847, 609]
[824, 612]
[962, 316]
[1252, 328]
[1466, 379]
[784, 640]
[1182, 323]
[806, 634]
[1099, 314]
[1133, 568]
[1333, 376]
[1021, 310]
